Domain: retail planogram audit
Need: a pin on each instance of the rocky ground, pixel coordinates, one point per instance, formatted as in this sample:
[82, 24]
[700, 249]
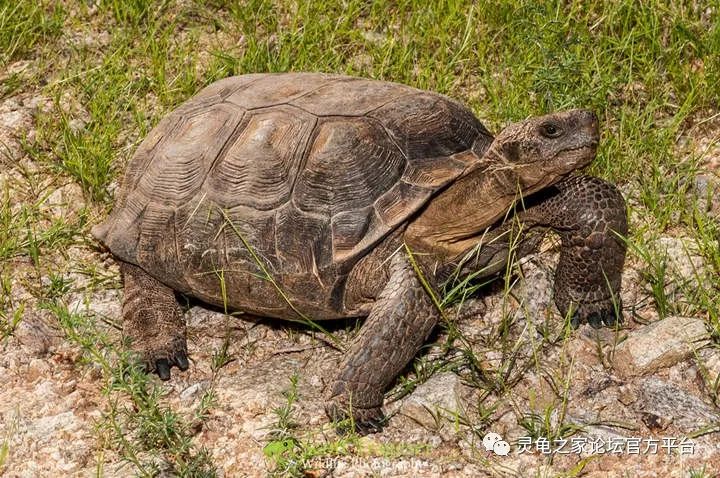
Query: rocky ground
[568, 402]
[645, 381]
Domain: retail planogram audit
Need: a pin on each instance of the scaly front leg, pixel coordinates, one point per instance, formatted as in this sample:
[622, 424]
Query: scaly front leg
[398, 325]
[589, 215]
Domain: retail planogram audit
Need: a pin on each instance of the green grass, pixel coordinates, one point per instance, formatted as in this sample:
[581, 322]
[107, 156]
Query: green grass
[10, 429]
[25, 24]
[149, 434]
[112, 70]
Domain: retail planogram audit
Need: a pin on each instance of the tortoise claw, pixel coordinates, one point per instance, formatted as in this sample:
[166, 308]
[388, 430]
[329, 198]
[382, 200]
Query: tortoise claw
[371, 425]
[366, 420]
[598, 319]
[162, 367]
[611, 319]
[161, 360]
[595, 320]
[181, 361]
[575, 320]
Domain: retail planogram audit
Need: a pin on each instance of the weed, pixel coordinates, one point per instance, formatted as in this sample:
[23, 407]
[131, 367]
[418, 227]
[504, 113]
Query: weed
[141, 425]
[285, 424]
[145, 432]
[134, 12]
[701, 473]
[8, 431]
[9, 322]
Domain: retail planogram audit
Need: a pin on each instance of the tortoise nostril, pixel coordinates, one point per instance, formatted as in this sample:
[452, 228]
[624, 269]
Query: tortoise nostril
[590, 121]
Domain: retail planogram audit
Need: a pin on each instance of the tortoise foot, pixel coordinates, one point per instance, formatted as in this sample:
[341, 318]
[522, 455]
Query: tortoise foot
[161, 360]
[153, 322]
[364, 420]
[598, 318]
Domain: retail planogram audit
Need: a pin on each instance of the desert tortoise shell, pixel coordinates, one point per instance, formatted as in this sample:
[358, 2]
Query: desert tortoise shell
[293, 175]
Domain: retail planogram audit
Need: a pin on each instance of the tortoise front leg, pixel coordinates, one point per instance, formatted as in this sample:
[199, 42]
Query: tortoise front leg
[589, 215]
[153, 322]
[400, 322]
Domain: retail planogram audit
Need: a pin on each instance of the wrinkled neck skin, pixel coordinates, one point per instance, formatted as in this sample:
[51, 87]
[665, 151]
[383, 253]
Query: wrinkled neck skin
[454, 222]
[513, 238]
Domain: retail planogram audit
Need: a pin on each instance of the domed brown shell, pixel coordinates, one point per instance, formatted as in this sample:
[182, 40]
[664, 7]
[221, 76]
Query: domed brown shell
[295, 176]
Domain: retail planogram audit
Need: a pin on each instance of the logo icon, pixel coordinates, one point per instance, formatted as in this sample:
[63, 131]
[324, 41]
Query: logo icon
[494, 442]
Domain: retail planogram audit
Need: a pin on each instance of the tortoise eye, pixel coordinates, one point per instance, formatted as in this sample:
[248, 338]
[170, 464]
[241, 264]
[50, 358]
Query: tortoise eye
[550, 130]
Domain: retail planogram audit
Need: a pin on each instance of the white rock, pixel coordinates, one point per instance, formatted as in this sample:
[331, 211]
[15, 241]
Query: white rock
[46, 427]
[193, 391]
[674, 405]
[104, 303]
[439, 396]
[15, 120]
[63, 200]
[659, 345]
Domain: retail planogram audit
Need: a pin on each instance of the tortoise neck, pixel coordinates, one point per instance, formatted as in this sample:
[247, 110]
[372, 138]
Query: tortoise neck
[454, 220]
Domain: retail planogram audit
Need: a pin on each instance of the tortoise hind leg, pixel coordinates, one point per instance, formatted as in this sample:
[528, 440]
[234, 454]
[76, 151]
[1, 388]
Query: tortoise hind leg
[400, 322]
[153, 322]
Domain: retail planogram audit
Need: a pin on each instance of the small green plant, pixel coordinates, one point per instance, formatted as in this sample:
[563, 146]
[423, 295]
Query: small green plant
[221, 357]
[293, 453]
[655, 274]
[551, 423]
[284, 449]
[8, 431]
[26, 231]
[4, 452]
[145, 432]
[134, 12]
[701, 473]
[9, 322]
[542, 426]
[285, 423]
[57, 286]
[148, 434]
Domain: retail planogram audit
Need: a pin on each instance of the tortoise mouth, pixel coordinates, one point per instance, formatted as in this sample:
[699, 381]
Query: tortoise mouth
[562, 165]
[579, 157]
[592, 145]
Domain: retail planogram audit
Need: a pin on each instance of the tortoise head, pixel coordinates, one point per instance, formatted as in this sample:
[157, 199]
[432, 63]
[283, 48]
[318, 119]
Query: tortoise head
[532, 154]
[542, 149]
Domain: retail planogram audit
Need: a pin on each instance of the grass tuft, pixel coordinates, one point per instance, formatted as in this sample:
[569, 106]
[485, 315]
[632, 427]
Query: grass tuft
[25, 25]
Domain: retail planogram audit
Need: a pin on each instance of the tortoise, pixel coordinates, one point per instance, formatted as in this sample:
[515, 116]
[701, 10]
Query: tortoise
[299, 195]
